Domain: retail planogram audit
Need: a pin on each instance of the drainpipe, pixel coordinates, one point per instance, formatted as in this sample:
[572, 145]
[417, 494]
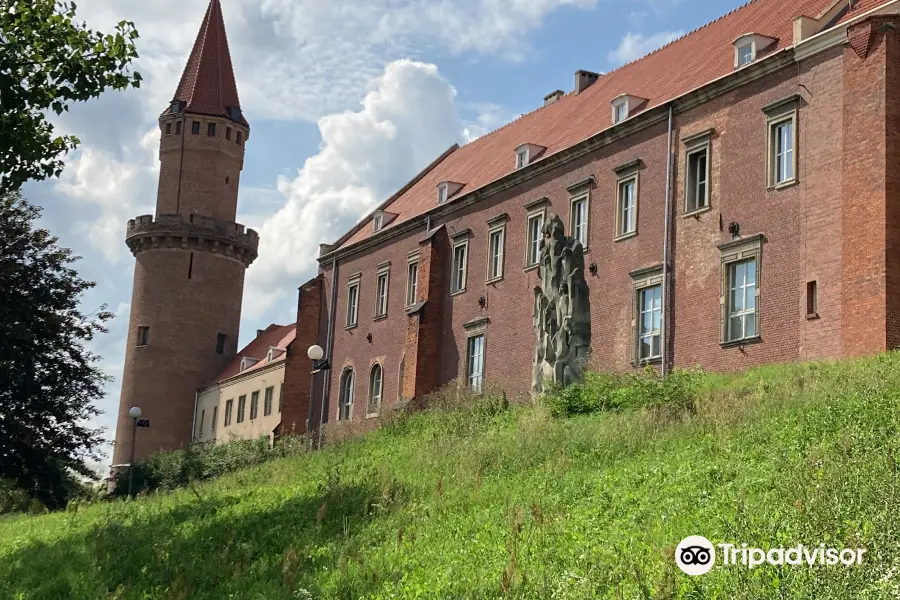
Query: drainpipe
[194, 420]
[326, 384]
[666, 248]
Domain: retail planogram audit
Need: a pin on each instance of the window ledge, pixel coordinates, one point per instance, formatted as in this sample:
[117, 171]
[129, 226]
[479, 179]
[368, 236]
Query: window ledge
[380, 317]
[647, 361]
[141, 345]
[742, 342]
[458, 292]
[494, 280]
[697, 212]
[782, 185]
[374, 415]
[349, 327]
[532, 267]
[624, 237]
[812, 316]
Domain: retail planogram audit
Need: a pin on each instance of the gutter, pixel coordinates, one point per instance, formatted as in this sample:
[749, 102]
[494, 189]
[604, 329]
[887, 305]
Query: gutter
[666, 296]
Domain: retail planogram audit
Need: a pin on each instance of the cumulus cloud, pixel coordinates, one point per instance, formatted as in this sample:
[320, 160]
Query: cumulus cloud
[636, 45]
[407, 119]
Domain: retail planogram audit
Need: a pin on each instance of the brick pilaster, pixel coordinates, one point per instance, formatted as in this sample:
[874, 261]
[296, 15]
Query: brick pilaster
[298, 367]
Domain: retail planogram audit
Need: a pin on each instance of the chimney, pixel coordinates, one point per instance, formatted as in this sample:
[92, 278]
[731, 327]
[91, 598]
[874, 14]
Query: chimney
[584, 80]
[553, 97]
[259, 332]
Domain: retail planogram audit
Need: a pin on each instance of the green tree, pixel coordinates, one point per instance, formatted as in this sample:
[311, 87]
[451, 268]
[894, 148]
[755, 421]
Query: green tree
[48, 379]
[48, 61]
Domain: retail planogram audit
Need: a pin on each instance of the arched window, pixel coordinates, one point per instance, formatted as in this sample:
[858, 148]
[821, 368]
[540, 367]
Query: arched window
[345, 404]
[376, 381]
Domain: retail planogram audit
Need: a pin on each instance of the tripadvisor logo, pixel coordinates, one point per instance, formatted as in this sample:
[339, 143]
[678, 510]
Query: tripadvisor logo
[696, 555]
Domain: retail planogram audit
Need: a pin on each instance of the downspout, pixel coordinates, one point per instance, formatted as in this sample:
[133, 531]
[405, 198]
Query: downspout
[326, 384]
[666, 247]
[194, 420]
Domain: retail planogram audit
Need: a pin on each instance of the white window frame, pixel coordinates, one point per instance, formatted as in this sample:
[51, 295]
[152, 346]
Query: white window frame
[229, 412]
[653, 332]
[345, 395]
[741, 251]
[412, 280]
[782, 159]
[496, 259]
[691, 199]
[620, 110]
[475, 355]
[457, 286]
[621, 232]
[377, 221]
[748, 290]
[522, 158]
[532, 239]
[738, 54]
[375, 395]
[382, 296]
[268, 400]
[585, 201]
[443, 190]
[353, 302]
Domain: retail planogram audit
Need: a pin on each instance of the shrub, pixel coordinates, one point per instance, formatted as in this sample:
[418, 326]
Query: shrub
[16, 500]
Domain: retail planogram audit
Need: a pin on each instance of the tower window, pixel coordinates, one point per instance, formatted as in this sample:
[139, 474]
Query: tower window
[240, 137]
[143, 335]
[228, 133]
[211, 129]
[168, 128]
[812, 300]
[178, 128]
[220, 343]
[195, 127]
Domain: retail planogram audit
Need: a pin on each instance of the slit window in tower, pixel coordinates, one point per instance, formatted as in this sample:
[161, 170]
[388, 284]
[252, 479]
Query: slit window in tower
[228, 133]
[195, 127]
[143, 335]
[240, 137]
[220, 343]
[211, 129]
[168, 129]
[191, 265]
[177, 127]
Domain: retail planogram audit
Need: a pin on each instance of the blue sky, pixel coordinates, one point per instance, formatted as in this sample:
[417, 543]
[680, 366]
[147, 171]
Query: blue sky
[346, 100]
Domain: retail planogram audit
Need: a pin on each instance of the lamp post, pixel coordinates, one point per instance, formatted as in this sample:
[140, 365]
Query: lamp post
[135, 413]
[316, 354]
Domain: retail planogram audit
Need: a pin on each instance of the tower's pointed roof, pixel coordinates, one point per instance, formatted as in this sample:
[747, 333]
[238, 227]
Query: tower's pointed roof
[207, 85]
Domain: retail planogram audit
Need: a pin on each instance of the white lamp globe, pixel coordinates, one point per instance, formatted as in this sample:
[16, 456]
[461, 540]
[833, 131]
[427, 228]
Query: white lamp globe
[315, 352]
[135, 412]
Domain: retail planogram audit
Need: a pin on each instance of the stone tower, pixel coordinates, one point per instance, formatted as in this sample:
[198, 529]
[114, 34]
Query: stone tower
[190, 256]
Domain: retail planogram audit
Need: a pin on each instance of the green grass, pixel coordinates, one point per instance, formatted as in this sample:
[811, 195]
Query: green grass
[475, 503]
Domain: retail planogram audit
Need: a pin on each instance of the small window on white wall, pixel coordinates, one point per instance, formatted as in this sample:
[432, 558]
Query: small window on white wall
[442, 193]
[522, 158]
[620, 111]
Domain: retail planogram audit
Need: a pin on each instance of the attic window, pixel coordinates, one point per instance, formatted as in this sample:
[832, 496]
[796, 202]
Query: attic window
[745, 54]
[442, 193]
[377, 221]
[247, 362]
[521, 158]
[620, 111]
[748, 47]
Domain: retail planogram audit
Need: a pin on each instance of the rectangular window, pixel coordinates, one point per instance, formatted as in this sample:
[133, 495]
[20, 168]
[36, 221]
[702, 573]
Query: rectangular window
[211, 129]
[649, 326]
[812, 300]
[220, 343]
[228, 133]
[195, 127]
[377, 221]
[240, 137]
[495, 253]
[579, 220]
[254, 405]
[381, 294]
[267, 402]
[784, 152]
[215, 419]
[242, 408]
[229, 408]
[168, 128]
[458, 271]
[177, 127]
[475, 363]
[697, 188]
[200, 424]
[442, 193]
[626, 213]
[621, 112]
[352, 304]
[745, 54]
[143, 335]
[533, 239]
[521, 158]
[412, 283]
[741, 300]
[782, 144]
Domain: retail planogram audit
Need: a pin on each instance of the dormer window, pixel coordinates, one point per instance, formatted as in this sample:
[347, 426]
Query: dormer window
[527, 154]
[626, 106]
[748, 47]
[273, 353]
[377, 221]
[247, 362]
[446, 190]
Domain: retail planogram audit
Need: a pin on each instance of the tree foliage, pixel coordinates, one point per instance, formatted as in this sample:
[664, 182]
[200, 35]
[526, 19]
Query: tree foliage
[48, 379]
[47, 61]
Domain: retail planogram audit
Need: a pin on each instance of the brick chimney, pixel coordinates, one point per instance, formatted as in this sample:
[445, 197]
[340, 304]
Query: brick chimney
[553, 97]
[584, 80]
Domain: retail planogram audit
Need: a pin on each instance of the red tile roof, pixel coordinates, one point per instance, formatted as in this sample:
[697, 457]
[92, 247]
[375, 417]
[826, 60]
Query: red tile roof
[861, 7]
[207, 85]
[675, 69]
[278, 336]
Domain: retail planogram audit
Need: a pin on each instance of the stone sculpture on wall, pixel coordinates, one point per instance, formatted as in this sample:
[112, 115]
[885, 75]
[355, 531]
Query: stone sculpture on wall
[562, 310]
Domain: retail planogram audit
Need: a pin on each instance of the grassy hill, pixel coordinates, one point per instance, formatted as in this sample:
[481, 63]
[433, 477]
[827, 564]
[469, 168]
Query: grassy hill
[485, 502]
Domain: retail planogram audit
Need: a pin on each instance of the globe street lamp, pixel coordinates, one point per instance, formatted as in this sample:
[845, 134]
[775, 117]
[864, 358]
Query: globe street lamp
[136, 421]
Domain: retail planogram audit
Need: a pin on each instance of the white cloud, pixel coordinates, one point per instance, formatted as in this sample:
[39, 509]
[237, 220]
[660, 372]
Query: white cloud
[636, 45]
[407, 119]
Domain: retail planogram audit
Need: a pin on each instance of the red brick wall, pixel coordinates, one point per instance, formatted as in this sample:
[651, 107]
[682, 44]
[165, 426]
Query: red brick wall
[298, 367]
[829, 227]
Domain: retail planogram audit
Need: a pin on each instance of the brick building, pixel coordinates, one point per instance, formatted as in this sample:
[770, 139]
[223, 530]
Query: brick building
[731, 190]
